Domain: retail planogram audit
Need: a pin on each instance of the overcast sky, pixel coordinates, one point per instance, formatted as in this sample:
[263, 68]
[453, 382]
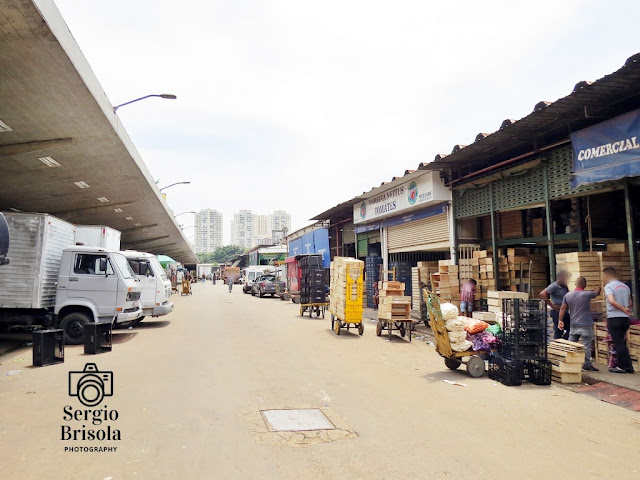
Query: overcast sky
[300, 105]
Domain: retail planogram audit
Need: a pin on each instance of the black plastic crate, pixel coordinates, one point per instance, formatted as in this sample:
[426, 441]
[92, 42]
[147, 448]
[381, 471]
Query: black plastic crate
[537, 336]
[97, 338]
[507, 371]
[48, 347]
[520, 313]
[538, 370]
[522, 351]
[311, 260]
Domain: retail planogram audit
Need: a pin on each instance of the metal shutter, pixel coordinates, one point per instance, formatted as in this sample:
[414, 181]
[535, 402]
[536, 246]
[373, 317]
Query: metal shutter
[471, 202]
[363, 245]
[426, 234]
[348, 235]
[560, 165]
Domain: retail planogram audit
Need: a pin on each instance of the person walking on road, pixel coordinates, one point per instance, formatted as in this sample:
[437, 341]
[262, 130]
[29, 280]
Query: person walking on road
[214, 278]
[230, 282]
[553, 296]
[467, 296]
[578, 305]
[618, 312]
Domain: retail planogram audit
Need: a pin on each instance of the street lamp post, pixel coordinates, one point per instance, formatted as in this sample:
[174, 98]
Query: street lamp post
[176, 216]
[177, 183]
[166, 96]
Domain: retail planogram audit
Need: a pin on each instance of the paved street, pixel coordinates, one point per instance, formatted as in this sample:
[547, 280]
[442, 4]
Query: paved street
[189, 392]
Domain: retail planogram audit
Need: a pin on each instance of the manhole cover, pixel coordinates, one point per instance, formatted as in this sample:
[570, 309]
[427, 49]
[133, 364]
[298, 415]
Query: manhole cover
[297, 420]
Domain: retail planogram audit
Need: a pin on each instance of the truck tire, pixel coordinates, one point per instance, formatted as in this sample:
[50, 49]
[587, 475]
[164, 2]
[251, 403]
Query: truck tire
[73, 327]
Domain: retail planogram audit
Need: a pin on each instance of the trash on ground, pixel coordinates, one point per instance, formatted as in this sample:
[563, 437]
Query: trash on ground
[14, 372]
[460, 384]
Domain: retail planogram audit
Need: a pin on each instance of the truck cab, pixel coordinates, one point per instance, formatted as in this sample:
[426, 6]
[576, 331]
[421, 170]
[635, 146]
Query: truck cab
[94, 285]
[156, 286]
[249, 276]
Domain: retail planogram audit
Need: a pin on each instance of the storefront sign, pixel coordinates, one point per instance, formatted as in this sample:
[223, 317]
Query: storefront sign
[607, 151]
[422, 191]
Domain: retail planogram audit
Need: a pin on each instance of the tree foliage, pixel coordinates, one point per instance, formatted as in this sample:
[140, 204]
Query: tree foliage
[220, 255]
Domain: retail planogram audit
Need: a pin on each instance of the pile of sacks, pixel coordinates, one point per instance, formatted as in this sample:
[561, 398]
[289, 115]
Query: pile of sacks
[466, 333]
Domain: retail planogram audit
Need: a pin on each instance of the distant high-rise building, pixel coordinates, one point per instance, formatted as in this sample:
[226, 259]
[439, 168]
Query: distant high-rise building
[244, 228]
[208, 230]
[279, 220]
[249, 229]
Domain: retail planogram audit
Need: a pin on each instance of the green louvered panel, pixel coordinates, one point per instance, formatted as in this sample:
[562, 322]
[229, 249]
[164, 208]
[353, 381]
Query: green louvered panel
[472, 202]
[363, 244]
[560, 165]
[519, 190]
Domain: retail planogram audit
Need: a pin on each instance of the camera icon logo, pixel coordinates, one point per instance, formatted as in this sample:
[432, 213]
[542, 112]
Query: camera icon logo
[90, 385]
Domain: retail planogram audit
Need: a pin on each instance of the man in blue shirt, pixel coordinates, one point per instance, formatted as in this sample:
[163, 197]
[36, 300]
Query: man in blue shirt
[618, 312]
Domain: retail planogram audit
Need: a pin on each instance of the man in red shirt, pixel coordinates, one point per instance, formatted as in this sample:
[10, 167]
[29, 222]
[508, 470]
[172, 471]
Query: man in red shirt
[467, 296]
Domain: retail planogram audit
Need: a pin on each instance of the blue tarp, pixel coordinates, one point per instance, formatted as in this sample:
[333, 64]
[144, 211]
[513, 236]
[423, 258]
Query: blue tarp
[607, 151]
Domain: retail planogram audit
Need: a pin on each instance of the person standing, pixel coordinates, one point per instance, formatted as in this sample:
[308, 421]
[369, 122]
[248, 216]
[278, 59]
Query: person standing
[553, 295]
[214, 275]
[467, 296]
[230, 282]
[578, 305]
[618, 312]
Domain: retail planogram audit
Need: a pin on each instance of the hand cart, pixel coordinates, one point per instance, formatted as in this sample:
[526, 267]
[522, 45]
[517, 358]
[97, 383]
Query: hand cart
[474, 360]
[186, 287]
[403, 326]
[337, 323]
[317, 308]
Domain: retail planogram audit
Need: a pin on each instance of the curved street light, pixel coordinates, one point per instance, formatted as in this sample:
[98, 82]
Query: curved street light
[167, 96]
[177, 183]
[176, 216]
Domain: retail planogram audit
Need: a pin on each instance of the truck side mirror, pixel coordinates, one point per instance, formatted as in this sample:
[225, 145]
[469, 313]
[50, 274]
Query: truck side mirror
[103, 266]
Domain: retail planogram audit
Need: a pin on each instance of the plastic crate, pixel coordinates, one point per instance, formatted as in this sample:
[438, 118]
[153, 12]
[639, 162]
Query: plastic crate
[97, 338]
[518, 313]
[507, 371]
[48, 347]
[538, 370]
[522, 351]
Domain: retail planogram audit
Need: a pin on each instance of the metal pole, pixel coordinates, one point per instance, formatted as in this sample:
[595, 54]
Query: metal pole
[453, 232]
[494, 236]
[631, 234]
[547, 207]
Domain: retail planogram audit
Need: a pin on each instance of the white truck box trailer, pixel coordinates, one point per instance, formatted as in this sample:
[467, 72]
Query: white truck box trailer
[98, 236]
[37, 242]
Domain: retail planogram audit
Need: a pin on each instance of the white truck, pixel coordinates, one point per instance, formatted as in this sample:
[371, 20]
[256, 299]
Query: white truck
[156, 286]
[98, 236]
[52, 282]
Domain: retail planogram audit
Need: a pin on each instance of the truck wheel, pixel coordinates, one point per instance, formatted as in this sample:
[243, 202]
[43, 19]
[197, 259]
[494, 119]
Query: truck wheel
[73, 326]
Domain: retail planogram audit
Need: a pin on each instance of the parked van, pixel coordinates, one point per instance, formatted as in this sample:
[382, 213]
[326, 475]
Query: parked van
[156, 286]
[52, 282]
[249, 275]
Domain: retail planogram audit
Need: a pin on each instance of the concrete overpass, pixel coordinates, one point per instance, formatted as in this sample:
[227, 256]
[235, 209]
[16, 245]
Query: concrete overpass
[62, 149]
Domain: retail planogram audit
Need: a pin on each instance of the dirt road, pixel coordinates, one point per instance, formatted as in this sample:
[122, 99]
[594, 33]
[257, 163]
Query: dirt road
[188, 394]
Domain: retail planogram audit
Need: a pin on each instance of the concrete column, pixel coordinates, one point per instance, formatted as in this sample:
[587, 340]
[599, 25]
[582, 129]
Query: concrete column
[384, 249]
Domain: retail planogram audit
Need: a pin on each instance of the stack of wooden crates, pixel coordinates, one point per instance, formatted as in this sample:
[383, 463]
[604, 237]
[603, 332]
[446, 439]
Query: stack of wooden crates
[421, 275]
[449, 285]
[567, 359]
[346, 289]
[394, 305]
[602, 345]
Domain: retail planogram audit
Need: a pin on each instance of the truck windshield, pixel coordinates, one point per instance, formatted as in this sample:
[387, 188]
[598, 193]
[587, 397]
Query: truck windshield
[158, 268]
[123, 265]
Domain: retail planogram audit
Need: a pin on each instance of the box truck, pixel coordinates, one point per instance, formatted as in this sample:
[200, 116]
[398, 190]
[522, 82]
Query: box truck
[156, 286]
[98, 236]
[52, 282]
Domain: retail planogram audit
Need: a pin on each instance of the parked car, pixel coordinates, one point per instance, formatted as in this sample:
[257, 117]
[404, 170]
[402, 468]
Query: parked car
[250, 274]
[263, 285]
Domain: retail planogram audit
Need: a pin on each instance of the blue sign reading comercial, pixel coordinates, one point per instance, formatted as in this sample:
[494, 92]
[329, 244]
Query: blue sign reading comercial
[607, 151]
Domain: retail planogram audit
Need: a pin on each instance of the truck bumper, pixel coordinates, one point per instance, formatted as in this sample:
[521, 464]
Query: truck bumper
[129, 316]
[159, 310]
